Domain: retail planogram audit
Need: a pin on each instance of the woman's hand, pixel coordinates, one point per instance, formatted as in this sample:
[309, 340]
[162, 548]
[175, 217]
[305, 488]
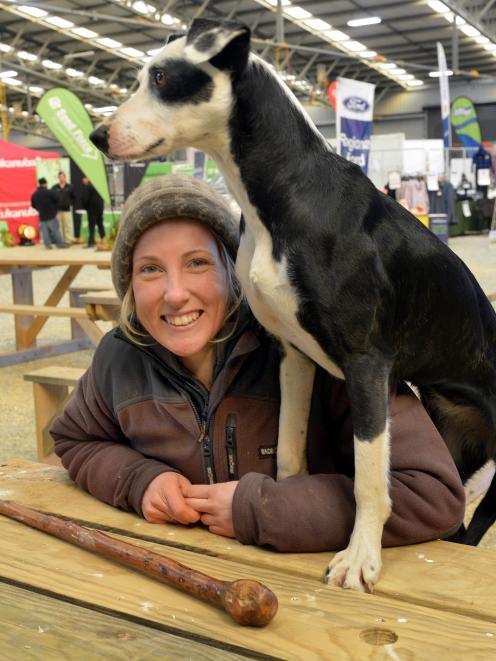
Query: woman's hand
[214, 503]
[164, 501]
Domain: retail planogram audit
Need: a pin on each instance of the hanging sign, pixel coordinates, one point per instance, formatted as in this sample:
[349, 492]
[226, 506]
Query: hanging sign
[354, 112]
[466, 209]
[394, 179]
[483, 178]
[432, 182]
[464, 121]
[69, 121]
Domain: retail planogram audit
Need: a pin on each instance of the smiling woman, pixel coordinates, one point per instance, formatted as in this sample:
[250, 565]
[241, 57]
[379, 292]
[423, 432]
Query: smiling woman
[179, 287]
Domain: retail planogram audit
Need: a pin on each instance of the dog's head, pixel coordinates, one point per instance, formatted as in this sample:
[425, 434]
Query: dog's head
[184, 96]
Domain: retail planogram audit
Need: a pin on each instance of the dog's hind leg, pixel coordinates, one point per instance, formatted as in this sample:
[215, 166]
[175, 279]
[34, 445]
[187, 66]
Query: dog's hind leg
[358, 566]
[483, 518]
[470, 437]
[466, 430]
[296, 379]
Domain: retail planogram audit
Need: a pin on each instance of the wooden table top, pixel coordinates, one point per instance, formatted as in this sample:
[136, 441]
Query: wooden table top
[432, 599]
[37, 256]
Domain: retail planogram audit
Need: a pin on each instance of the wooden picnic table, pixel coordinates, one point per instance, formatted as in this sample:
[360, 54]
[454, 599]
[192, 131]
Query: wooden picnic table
[21, 263]
[433, 600]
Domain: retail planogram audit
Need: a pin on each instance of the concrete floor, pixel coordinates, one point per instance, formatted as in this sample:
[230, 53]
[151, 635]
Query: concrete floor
[17, 435]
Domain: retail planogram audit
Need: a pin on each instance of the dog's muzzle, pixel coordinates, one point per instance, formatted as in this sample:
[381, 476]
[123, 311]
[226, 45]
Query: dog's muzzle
[99, 137]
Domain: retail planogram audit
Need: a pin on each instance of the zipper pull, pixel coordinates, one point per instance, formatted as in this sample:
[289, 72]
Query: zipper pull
[207, 457]
[204, 440]
[231, 446]
[203, 430]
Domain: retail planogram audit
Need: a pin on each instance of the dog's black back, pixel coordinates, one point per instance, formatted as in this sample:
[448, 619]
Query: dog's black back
[352, 249]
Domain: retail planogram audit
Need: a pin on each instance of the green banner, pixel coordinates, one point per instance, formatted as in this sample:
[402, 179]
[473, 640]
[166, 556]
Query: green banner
[464, 121]
[69, 121]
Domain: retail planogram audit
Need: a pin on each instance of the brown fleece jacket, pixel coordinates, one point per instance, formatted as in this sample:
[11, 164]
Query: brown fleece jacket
[137, 413]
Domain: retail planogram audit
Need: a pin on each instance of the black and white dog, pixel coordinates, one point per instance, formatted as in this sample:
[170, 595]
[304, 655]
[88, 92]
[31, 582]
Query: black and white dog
[340, 273]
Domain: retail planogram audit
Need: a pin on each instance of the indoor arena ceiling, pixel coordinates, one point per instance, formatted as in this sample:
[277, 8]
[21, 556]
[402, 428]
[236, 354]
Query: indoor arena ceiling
[95, 48]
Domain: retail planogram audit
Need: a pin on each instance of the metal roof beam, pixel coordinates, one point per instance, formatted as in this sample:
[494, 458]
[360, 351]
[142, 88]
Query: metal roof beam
[470, 17]
[55, 82]
[40, 131]
[201, 9]
[485, 9]
[308, 66]
[233, 11]
[138, 21]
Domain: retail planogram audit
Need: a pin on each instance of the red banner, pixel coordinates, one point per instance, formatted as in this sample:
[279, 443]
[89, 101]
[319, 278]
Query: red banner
[17, 184]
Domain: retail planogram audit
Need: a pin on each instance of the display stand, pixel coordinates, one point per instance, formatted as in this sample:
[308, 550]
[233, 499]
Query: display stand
[438, 224]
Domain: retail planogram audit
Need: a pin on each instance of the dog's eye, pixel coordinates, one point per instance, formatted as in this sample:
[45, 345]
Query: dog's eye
[159, 77]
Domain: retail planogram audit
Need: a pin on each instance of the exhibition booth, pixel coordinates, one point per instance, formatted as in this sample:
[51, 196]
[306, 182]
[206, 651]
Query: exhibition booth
[18, 181]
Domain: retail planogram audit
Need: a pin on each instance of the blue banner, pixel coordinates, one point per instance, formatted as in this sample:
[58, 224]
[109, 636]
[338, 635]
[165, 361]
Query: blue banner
[354, 112]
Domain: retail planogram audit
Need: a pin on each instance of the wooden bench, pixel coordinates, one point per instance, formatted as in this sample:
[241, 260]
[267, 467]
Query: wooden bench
[102, 305]
[52, 388]
[75, 293]
[78, 315]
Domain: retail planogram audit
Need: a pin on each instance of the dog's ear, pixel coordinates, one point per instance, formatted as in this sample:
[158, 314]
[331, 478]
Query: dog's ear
[173, 36]
[226, 44]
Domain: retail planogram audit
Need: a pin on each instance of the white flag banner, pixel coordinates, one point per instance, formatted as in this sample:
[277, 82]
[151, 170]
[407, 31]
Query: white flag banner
[354, 113]
[444, 89]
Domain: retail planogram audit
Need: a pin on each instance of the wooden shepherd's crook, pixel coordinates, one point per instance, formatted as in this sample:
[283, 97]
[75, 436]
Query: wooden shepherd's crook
[247, 602]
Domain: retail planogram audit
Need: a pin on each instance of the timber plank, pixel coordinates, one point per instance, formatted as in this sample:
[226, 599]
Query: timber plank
[35, 626]
[313, 622]
[38, 257]
[441, 575]
[55, 375]
[101, 297]
[44, 310]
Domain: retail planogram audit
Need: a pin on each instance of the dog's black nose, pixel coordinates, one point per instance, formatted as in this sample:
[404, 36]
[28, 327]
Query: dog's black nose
[99, 137]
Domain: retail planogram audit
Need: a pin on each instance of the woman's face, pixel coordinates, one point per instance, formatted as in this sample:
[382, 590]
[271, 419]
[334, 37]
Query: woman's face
[180, 288]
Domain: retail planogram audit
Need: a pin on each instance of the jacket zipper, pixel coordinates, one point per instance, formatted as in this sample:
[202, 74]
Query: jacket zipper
[231, 446]
[204, 438]
[206, 443]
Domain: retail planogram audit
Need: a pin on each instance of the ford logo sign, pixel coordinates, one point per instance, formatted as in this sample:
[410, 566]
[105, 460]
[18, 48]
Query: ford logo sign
[356, 104]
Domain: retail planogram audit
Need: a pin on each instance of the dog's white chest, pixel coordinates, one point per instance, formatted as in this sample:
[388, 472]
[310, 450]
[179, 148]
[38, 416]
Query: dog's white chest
[272, 297]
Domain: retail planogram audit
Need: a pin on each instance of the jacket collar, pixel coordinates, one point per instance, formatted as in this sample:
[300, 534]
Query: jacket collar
[242, 337]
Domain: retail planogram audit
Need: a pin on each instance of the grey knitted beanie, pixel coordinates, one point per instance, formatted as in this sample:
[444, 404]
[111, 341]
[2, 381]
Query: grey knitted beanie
[163, 198]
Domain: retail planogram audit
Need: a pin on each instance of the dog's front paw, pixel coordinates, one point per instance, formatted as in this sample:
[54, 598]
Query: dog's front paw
[356, 568]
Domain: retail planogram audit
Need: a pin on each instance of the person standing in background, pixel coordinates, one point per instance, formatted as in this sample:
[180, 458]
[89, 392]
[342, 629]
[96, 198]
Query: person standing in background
[45, 202]
[65, 193]
[93, 204]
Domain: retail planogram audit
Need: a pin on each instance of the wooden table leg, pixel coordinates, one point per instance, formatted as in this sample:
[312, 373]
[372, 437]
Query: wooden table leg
[49, 401]
[59, 290]
[77, 333]
[91, 330]
[22, 292]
